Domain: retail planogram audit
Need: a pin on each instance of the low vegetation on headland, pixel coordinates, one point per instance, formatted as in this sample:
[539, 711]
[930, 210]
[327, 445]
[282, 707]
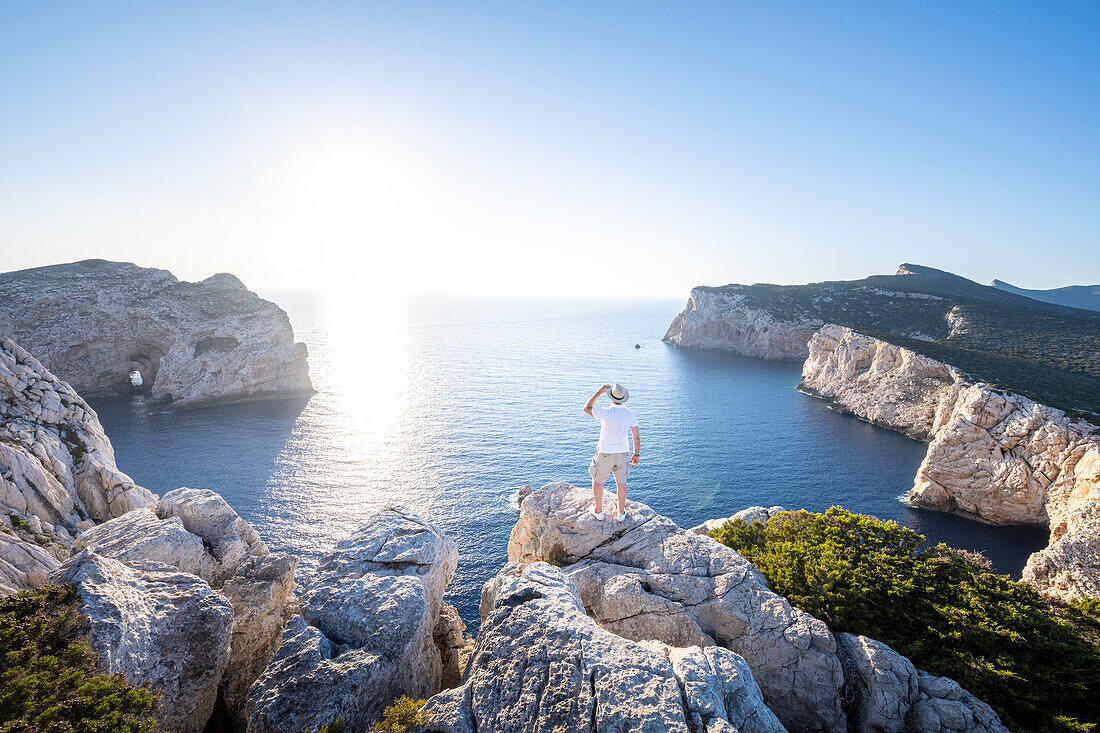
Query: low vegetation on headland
[1048, 352]
[1036, 662]
[49, 682]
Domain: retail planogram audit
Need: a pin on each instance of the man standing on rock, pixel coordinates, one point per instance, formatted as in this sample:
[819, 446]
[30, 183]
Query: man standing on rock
[613, 451]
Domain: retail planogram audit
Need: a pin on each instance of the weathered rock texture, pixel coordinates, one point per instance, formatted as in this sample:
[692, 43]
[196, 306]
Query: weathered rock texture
[887, 694]
[196, 531]
[877, 381]
[156, 626]
[365, 635]
[721, 322]
[1070, 567]
[992, 455]
[93, 322]
[57, 470]
[647, 579]
[540, 664]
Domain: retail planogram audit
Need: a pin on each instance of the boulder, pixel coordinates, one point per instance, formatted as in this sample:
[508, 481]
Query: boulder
[647, 579]
[454, 647]
[156, 626]
[541, 664]
[365, 634]
[94, 322]
[887, 694]
[196, 531]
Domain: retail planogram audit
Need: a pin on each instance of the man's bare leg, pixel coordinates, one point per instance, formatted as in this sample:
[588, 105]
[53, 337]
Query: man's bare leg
[597, 494]
[621, 490]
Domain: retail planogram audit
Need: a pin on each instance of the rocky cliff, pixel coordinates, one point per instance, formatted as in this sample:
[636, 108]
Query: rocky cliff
[57, 471]
[722, 322]
[646, 626]
[94, 323]
[993, 455]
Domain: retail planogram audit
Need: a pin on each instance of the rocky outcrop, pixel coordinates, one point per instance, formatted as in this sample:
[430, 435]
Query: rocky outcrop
[57, 470]
[366, 630]
[647, 579]
[722, 322]
[197, 532]
[887, 694]
[1069, 569]
[156, 626]
[94, 322]
[877, 381]
[541, 664]
[1006, 459]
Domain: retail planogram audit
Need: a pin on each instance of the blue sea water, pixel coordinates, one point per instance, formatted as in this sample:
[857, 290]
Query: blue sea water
[447, 406]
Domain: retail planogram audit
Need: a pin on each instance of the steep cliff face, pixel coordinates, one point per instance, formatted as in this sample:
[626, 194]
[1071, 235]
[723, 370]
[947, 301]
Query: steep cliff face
[876, 381]
[722, 322]
[94, 322]
[992, 455]
[57, 471]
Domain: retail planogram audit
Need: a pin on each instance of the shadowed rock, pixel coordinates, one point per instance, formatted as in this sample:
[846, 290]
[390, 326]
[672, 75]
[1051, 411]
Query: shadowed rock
[156, 626]
[365, 635]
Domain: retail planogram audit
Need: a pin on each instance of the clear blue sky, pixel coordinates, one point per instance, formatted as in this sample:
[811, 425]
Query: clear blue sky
[631, 148]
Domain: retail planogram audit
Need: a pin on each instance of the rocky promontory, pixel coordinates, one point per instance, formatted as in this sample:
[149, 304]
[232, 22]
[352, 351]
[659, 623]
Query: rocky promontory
[993, 454]
[95, 323]
[721, 321]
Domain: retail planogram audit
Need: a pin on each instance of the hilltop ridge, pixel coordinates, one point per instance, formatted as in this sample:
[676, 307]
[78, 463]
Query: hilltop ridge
[1046, 351]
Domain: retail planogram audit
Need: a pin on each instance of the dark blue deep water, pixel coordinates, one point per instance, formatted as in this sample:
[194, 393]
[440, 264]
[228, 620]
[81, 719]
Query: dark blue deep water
[448, 406]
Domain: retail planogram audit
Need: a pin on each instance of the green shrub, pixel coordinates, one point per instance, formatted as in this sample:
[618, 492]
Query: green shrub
[48, 677]
[1035, 662]
[336, 726]
[404, 716]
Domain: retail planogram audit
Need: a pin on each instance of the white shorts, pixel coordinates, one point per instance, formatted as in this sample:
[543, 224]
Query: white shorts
[605, 463]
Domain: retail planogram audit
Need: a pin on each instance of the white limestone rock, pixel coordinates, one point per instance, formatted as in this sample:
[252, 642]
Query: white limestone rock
[365, 635]
[877, 381]
[93, 322]
[196, 531]
[541, 664]
[889, 695]
[720, 321]
[1069, 569]
[454, 647]
[751, 514]
[1006, 459]
[645, 578]
[57, 468]
[156, 626]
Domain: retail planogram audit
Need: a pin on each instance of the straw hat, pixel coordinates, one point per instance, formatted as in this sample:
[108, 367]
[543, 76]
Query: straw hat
[618, 393]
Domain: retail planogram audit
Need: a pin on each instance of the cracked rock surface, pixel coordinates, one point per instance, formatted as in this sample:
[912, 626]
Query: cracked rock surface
[93, 322]
[540, 664]
[366, 631]
[648, 579]
[156, 626]
[197, 532]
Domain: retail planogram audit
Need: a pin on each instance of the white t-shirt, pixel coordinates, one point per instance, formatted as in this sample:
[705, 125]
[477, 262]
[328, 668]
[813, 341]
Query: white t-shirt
[615, 424]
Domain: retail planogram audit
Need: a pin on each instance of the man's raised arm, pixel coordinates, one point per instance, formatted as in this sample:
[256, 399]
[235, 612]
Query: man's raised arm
[592, 400]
